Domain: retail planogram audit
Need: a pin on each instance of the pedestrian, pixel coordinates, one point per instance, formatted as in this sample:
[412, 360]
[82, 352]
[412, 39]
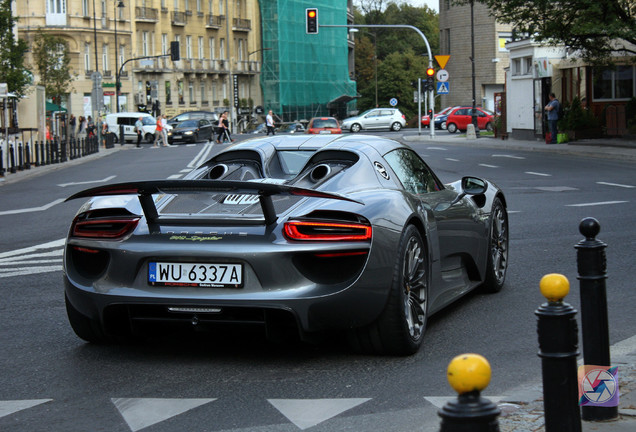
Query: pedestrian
[90, 127]
[159, 136]
[553, 117]
[224, 129]
[139, 130]
[164, 129]
[104, 130]
[81, 129]
[269, 122]
[72, 121]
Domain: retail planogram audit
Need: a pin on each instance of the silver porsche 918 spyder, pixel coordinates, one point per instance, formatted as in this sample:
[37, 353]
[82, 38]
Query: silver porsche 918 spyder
[302, 233]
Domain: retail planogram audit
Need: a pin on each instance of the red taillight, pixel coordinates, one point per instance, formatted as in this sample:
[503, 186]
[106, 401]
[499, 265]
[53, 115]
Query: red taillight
[106, 228]
[327, 231]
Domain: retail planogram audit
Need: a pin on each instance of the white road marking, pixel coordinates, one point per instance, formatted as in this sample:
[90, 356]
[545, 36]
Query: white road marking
[556, 188]
[174, 176]
[538, 174]
[596, 203]
[616, 184]
[489, 166]
[452, 160]
[437, 148]
[48, 245]
[32, 260]
[87, 182]
[141, 413]
[306, 413]
[10, 407]
[201, 157]
[32, 209]
[508, 156]
[187, 170]
[440, 401]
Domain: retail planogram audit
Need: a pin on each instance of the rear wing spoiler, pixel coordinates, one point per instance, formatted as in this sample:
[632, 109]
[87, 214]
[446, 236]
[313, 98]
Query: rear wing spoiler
[145, 190]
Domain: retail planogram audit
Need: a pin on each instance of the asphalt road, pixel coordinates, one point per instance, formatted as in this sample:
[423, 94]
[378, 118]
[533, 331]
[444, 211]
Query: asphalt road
[51, 380]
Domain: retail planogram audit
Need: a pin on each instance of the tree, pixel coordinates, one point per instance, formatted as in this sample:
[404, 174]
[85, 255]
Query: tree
[595, 28]
[52, 59]
[12, 68]
[395, 77]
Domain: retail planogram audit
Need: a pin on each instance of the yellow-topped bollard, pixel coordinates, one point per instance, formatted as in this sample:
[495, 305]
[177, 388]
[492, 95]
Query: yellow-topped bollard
[468, 372]
[554, 287]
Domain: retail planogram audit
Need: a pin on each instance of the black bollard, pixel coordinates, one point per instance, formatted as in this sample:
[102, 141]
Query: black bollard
[20, 157]
[469, 374]
[1, 166]
[12, 168]
[558, 348]
[592, 266]
[27, 155]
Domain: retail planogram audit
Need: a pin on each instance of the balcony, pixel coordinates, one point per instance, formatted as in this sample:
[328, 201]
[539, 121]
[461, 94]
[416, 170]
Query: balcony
[179, 19]
[239, 24]
[214, 21]
[145, 14]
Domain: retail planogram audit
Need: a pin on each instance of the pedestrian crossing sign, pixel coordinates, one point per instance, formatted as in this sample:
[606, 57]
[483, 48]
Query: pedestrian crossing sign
[443, 87]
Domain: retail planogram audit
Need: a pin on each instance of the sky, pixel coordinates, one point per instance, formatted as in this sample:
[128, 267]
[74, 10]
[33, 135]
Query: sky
[433, 4]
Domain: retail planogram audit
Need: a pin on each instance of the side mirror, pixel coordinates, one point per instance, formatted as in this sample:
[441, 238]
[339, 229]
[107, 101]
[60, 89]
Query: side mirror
[473, 186]
[470, 186]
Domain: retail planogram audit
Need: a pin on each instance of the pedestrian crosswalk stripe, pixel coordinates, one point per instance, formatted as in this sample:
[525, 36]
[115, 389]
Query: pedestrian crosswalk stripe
[306, 413]
[144, 412]
[10, 407]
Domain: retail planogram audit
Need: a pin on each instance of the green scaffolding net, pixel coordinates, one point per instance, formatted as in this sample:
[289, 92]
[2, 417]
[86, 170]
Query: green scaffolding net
[305, 75]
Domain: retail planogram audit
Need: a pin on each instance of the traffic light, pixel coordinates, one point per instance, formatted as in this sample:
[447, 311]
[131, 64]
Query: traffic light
[174, 51]
[430, 84]
[311, 17]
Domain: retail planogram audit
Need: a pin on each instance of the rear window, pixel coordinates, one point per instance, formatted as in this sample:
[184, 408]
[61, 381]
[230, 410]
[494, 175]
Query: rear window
[292, 161]
[325, 123]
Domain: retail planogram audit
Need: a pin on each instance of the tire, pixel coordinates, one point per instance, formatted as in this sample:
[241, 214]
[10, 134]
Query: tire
[489, 127]
[443, 125]
[400, 328]
[451, 128]
[355, 128]
[149, 138]
[395, 127]
[88, 329]
[498, 241]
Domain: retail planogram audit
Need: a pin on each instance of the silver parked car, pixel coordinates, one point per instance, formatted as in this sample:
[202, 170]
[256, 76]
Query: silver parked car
[376, 118]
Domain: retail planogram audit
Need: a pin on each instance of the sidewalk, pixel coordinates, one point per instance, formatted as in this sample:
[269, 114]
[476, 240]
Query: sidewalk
[522, 411]
[42, 169]
[606, 148]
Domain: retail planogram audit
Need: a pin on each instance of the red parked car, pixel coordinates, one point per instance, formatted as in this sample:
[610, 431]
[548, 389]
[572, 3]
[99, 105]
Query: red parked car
[440, 119]
[461, 117]
[323, 125]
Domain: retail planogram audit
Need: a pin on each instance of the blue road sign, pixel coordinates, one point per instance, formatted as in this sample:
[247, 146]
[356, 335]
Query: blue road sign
[443, 88]
[393, 101]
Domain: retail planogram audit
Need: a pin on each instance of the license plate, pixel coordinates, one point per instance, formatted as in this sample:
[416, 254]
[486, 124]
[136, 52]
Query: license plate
[195, 274]
[325, 131]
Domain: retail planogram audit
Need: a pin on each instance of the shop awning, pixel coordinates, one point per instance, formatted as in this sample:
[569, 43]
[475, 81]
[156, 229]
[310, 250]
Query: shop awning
[50, 106]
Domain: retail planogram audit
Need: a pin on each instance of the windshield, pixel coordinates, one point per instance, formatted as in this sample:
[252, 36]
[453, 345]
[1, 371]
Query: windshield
[189, 124]
[325, 123]
[148, 121]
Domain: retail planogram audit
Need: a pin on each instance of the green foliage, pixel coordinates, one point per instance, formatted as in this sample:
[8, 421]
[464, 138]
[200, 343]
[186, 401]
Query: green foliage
[395, 77]
[576, 118]
[595, 28]
[52, 59]
[13, 71]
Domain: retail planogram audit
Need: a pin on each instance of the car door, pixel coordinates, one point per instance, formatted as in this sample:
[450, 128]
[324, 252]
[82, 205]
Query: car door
[372, 120]
[205, 129]
[455, 234]
[385, 118]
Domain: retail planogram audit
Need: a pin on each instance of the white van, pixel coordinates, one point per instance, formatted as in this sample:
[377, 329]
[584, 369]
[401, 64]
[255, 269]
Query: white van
[128, 120]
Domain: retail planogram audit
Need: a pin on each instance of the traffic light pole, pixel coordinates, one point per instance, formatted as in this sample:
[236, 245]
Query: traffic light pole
[428, 48]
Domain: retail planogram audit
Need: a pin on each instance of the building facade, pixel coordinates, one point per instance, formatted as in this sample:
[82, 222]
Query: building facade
[217, 42]
[306, 75]
[491, 55]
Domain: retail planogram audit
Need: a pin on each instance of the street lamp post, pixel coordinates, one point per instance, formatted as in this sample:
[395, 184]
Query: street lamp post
[118, 5]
